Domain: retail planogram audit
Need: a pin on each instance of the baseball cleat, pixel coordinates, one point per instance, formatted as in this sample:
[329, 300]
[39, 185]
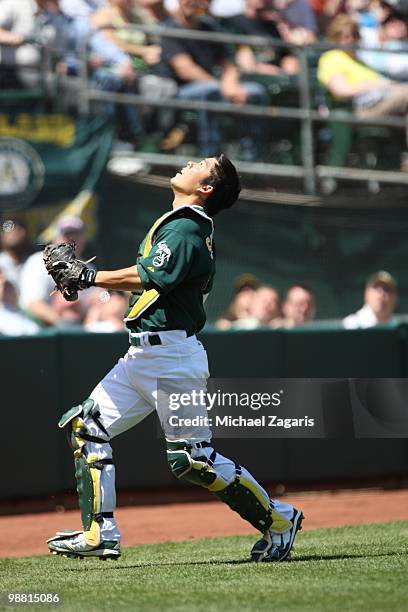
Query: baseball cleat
[73, 545]
[277, 547]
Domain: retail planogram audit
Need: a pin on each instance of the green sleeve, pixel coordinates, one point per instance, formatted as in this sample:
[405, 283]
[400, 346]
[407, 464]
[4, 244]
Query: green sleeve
[168, 262]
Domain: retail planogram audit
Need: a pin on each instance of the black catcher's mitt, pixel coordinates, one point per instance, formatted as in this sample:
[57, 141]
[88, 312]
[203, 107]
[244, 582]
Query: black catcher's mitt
[69, 273]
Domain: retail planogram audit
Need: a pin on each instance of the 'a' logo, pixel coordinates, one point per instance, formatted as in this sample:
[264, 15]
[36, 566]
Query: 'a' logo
[21, 173]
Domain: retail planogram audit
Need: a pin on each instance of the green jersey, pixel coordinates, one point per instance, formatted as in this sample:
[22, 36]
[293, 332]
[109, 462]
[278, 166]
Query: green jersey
[176, 265]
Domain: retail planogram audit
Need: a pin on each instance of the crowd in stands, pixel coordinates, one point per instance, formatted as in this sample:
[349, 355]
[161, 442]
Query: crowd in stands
[29, 302]
[121, 59]
[255, 305]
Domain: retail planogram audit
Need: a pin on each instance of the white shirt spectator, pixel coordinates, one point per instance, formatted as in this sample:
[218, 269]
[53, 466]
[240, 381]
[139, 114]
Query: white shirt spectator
[394, 65]
[36, 283]
[362, 319]
[14, 323]
[19, 18]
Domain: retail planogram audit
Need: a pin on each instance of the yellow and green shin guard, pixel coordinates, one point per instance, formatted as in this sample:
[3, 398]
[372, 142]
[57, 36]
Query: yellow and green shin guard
[243, 494]
[88, 470]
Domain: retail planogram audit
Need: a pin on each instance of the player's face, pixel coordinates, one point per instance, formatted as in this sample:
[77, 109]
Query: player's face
[192, 177]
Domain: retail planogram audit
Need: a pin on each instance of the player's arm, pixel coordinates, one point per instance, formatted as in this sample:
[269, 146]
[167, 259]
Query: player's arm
[126, 279]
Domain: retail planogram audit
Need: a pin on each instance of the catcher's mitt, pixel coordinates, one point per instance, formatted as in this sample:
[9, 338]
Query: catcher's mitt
[69, 273]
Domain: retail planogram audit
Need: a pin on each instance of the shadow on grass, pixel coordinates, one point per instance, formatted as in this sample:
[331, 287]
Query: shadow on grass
[297, 559]
[344, 556]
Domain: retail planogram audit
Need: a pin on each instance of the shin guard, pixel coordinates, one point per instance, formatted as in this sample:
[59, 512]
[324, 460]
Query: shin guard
[243, 494]
[88, 467]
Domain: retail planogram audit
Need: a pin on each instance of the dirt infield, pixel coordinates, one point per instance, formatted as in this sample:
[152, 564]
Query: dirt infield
[25, 535]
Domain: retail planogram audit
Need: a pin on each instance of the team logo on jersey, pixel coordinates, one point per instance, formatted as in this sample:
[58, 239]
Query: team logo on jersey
[21, 173]
[163, 254]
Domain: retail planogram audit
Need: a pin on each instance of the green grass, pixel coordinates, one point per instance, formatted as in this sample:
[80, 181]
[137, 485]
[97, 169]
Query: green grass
[352, 568]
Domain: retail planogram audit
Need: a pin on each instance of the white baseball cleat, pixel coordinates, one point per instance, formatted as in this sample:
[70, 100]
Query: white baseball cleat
[73, 544]
[277, 547]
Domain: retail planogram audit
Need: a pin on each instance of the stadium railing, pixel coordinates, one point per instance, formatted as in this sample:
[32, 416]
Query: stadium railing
[311, 113]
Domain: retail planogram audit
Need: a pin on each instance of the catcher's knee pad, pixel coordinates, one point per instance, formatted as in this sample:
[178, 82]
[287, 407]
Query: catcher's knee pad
[198, 470]
[88, 467]
[244, 496]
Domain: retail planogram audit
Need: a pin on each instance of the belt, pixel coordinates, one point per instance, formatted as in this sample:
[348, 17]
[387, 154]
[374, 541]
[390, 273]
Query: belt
[153, 340]
[203, 444]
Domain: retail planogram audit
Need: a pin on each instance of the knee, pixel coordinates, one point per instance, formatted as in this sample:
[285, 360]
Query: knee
[179, 462]
[195, 470]
[84, 425]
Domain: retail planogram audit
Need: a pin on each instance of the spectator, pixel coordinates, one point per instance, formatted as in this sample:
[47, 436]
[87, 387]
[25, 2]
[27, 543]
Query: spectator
[106, 315]
[265, 307]
[325, 11]
[43, 21]
[191, 63]
[15, 249]
[380, 301]
[37, 286]
[115, 18]
[240, 307]
[259, 20]
[253, 308]
[391, 34]
[299, 307]
[114, 21]
[16, 27]
[12, 321]
[365, 15]
[371, 94]
[297, 21]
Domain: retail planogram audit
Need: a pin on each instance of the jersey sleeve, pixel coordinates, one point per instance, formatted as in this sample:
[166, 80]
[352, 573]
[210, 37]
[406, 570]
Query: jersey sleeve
[168, 263]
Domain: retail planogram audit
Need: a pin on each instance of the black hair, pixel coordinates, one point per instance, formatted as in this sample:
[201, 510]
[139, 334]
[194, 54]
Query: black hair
[226, 186]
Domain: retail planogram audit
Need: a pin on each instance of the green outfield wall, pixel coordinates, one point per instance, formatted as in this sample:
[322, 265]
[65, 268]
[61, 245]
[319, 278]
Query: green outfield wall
[332, 249]
[43, 376]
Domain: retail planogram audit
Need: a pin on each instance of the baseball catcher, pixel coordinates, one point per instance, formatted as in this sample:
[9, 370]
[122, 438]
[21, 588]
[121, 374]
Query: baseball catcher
[168, 284]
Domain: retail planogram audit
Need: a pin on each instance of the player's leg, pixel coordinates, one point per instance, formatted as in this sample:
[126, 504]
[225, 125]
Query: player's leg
[113, 407]
[199, 463]
[191, 457]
